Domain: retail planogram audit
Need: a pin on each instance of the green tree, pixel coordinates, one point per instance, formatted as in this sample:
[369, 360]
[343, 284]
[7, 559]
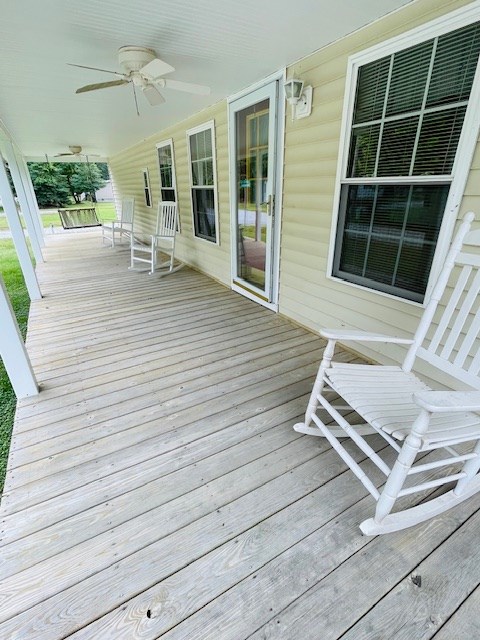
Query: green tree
[103, 168]
[49, 184]
[67, 170]
[87, 179]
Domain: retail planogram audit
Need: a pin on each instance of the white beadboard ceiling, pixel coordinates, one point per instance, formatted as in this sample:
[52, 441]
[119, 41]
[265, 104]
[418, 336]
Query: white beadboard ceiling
[225, 44]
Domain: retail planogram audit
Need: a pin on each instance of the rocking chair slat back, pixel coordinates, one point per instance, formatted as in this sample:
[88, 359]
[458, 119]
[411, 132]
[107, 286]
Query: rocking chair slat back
[451, 347]
[126, 212]
[167, 220]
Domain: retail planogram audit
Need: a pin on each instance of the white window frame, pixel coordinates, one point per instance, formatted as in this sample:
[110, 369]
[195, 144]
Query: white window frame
[210, 125]
[146, 188]
[465, 150]
[158, 146]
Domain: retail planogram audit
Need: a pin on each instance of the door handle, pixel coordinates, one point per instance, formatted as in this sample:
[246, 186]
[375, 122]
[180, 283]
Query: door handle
[270, 202]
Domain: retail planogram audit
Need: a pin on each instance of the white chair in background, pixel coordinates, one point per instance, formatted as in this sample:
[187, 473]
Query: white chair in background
[145, 249]
[117, 230]
[412, 418]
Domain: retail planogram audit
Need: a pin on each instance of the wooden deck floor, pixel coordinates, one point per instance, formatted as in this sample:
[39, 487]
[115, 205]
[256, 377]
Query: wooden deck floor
[157, 489]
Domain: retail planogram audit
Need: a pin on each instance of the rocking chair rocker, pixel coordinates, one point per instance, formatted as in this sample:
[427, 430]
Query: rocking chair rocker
[145, 249]
[396, 404]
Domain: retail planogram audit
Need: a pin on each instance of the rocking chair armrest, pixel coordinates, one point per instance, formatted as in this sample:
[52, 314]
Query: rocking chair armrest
[361, 336]
[448, 401]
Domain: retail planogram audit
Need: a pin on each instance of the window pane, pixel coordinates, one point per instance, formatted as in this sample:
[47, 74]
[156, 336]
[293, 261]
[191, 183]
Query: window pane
[207, 143]
[263, 130]
[363, 151]
[197, 173]
[194, 147]
[168, 195]
[165, 163]
[166, 176]
[396, 148]
[389, 235]
[455, 64]
[438, 142]
[425, 215]
[208, 172]
[204, 213]
[372, 83]
[409, 76]
[253, 132]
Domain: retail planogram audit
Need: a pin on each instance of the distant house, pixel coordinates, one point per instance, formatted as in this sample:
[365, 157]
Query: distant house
[105, 194]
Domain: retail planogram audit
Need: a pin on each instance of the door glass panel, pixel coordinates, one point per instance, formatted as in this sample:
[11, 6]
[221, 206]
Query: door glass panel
[252, 126]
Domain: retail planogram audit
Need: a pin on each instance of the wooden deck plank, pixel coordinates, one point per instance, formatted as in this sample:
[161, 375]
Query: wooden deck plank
[428, 600]
[181, 454]
[156, 489]
[156, 408]
[183, 371]
[464, 624]
[149, 564]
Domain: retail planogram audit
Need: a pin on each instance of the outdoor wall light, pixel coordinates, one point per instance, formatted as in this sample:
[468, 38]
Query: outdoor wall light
[299, 98]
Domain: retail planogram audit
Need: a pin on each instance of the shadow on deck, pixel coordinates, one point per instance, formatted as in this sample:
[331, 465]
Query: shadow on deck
[156, 487]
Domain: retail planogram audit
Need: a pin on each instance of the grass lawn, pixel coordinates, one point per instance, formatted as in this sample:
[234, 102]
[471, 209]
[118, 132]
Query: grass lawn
[13, 278]
[105, 213]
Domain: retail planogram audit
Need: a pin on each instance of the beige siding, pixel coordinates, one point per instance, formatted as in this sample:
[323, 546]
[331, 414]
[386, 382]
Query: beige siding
[126, 169]
[311, 153]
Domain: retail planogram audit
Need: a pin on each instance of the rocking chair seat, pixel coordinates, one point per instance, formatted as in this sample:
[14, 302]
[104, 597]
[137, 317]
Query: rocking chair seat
[383, 397]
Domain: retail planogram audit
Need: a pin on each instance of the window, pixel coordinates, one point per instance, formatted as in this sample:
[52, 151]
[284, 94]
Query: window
[146, 188]
[407, 119]
[166, 167]
[202, 181]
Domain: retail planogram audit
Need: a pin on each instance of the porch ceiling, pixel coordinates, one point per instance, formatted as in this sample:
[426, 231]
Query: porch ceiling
[224, 44]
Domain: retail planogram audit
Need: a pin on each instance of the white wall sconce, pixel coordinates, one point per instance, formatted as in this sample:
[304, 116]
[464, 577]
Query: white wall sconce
[299, 98]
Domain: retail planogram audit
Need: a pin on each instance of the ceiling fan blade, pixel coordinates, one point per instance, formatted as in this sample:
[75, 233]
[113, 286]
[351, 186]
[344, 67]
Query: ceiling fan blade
[156, 68]
[153, 95]
[82, 66]
[59, 155]
[101, 85]
[189, 87]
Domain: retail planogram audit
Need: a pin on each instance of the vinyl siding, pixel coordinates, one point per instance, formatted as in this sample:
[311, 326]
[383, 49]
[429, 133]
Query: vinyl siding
[126, 169]
[311, 154]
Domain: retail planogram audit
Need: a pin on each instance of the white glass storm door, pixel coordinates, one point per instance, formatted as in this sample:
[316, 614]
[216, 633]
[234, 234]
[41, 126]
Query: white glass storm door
[253, 139]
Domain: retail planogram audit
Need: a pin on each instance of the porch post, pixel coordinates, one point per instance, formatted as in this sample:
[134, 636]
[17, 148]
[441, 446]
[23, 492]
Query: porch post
[18, 236]
[12, 350]
[28, 214]
[31, 197]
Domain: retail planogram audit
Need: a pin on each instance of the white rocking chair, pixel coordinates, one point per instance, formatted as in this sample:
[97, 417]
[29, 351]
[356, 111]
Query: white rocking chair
[145, 249]
[393, 402]
[122, 228]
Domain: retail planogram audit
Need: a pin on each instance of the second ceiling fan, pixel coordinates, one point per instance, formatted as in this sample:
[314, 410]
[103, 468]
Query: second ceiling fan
[144, 70]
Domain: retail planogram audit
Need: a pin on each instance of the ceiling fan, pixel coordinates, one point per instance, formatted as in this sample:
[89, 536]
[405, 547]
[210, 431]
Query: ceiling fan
[144, 70]
[75, 150]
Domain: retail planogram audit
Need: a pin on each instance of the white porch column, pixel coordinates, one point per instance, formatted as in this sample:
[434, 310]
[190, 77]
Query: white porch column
[28, 215]
[31, 197]
[12, 350]
[18, 236]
